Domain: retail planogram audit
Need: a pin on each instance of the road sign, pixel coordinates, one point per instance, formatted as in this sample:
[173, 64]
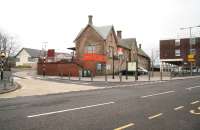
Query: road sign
[132, 66]
[191, 58]
[120, 51]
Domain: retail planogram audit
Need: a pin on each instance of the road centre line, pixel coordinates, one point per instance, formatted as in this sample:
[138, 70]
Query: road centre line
[125, 126]
[154, 116]
[67, 110]
[178, 108]
[157, 94]
[192, 87]
[195, 102]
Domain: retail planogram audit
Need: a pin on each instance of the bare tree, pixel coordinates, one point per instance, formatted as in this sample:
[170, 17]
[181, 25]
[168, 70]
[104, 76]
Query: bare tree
[154, 58]
[8, 46]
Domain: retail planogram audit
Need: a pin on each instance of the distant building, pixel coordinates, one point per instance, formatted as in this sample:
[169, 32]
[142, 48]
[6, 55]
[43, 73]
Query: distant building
[176, 51]
[30, 57]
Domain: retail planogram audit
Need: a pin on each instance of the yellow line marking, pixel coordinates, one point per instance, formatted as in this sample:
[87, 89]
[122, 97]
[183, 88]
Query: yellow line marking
[125, 126]
[154, 116]
[178, 108]
[194, 102]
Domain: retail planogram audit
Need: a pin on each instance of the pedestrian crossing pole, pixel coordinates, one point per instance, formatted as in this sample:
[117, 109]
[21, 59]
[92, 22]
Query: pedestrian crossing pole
[44, 66]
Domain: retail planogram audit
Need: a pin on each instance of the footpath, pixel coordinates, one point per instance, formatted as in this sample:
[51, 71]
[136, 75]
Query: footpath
[32, 84]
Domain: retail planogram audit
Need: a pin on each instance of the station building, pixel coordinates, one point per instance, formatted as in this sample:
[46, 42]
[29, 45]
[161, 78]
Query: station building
[100, 49]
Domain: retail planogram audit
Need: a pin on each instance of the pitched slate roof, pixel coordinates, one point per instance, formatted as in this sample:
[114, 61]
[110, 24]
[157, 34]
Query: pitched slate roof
[103, 31]
[141, 52]
[130, 43]
[31, 52]
[34, 52]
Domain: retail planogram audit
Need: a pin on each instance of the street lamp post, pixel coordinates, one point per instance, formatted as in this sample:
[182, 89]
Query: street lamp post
[190, 30]
[136, 72]
[2, 55]
[113, 63]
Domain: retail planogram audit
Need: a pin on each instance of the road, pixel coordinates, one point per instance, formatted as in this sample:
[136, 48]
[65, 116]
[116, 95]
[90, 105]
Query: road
[173, 105]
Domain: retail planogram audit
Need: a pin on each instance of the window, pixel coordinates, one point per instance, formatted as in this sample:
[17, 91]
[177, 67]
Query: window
[192, 51]
[177, 42]
[30, 59]
[90, 49]
[99, 67]
[110, 51]
[17, 59]
[192, 41]
[177, 52]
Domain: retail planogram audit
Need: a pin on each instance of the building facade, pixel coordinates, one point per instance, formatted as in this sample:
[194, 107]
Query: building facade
[100, 50]
[178, 51]
[28, 57]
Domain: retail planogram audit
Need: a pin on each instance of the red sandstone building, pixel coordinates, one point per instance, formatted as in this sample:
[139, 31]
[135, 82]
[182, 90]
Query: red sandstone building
[99, 50]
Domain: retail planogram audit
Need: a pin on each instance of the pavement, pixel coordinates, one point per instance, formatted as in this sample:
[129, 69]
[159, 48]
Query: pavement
[32, 84]
[173, 105]
[31, 87]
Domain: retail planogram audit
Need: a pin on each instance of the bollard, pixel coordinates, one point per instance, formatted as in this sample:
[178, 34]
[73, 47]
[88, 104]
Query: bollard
[91, 76]
[4, 84]
[61, 75]
[79, 78]
[149, 74]
[80, 74]
[170, 74]
[12, 81]
[120, 77]
[69, 75]
[106, 78]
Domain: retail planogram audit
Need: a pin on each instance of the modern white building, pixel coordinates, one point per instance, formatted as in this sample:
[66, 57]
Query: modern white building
[29, 57]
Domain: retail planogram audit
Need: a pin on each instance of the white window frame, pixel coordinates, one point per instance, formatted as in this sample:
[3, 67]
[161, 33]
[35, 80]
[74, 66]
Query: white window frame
[177, 52]
[90, 49]
[177, 42]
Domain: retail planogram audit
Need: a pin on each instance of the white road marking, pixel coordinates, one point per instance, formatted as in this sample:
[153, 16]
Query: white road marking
[125, 126]
[178, 108]
[193, 112]
[154, 116]
[67, 110]
[195, 102]
[85, 83]
[157, 94]
[192, 87]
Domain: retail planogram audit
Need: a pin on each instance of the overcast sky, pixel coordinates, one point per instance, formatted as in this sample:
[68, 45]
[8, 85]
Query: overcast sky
[59, 21]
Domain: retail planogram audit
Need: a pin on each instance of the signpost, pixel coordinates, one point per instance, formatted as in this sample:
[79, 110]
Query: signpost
[131, 66]
[191, 57]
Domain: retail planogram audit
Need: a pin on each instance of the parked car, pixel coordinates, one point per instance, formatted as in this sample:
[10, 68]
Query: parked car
[141, 71]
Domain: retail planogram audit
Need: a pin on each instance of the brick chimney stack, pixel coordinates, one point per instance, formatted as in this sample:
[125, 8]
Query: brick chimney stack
[90, 19]
[119, 34]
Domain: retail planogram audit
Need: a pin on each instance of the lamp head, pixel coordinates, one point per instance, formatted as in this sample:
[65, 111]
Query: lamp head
[2, 55]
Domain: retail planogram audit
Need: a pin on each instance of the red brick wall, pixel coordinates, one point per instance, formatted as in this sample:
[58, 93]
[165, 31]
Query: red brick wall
[58, 68]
